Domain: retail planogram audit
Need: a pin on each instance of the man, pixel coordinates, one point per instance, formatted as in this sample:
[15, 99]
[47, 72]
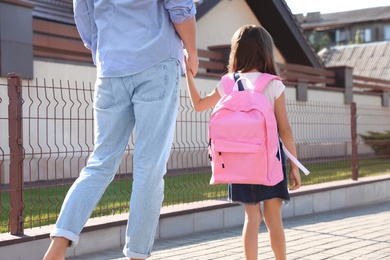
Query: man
[137, 47]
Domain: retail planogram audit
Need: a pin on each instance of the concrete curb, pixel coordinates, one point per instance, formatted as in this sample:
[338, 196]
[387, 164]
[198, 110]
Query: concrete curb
[183, 220]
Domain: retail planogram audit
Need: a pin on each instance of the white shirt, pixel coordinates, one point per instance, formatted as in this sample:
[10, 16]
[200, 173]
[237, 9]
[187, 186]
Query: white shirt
[272, 91]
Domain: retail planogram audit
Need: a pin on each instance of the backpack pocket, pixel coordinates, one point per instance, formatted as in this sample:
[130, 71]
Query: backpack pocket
[238, 162]
[236, 146]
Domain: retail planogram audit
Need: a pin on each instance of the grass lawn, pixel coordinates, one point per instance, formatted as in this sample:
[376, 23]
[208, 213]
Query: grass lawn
[43, 205]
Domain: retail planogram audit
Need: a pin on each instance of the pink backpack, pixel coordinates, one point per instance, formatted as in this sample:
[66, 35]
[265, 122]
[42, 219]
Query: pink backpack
[243, 136]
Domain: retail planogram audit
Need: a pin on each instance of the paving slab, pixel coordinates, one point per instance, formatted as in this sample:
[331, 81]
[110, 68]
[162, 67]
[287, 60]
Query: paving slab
[352, 233]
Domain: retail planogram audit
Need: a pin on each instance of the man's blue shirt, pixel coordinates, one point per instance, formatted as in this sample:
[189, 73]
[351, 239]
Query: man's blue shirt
[130, 36]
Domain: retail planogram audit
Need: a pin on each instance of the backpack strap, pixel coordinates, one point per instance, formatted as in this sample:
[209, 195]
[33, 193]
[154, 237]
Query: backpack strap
[294, 160]
[237, 79]
[263, 80]
[228, 83]
[260, 83]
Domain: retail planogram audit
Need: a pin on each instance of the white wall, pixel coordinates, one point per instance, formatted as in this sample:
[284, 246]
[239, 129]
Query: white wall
[325, 96]
[56, 71]
[364, 99]
[218, 26]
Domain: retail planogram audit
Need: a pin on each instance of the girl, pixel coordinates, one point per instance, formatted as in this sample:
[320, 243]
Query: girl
[252, 54]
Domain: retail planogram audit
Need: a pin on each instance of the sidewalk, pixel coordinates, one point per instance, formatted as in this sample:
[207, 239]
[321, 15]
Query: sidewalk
[357, 233]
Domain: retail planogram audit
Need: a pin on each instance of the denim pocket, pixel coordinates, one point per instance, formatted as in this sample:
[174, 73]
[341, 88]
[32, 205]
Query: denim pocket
[104, 95]
[160, 81]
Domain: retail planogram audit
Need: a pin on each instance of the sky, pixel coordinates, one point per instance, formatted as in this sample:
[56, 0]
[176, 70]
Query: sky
[332, 6]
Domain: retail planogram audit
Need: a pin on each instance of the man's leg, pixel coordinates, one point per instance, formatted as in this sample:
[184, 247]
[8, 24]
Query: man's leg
[155, 102]
[114, 122]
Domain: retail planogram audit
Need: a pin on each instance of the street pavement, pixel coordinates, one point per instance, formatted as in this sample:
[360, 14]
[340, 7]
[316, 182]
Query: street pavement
[353, 233]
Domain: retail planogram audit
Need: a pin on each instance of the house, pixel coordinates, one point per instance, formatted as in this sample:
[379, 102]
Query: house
[371, 60]
[341, 28]
[38, 39]
[43, 41]
[359, 39]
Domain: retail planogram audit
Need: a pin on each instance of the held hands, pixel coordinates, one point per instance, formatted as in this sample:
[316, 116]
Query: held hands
[191, 62]
[295, 179]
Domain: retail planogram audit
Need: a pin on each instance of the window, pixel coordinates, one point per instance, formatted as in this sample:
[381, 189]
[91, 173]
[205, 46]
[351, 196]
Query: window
[363, 35]
[387, 32]
[367, 35]
[341, 36]
[312, 38]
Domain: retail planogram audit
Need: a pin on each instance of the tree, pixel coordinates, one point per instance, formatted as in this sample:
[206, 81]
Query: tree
[358, 37]
[319, 42]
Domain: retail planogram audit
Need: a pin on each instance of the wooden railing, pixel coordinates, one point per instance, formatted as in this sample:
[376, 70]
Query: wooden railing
[365, 84]
[211, 63]
[61, 41]
[58, 41]
[293, 73]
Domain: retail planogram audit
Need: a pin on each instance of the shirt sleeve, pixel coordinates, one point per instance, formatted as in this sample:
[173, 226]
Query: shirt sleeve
[220, 89]
[180, 11]
[278, 88]
[82, 10]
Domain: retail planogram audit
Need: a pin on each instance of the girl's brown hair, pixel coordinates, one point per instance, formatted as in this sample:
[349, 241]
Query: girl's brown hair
[252, 48]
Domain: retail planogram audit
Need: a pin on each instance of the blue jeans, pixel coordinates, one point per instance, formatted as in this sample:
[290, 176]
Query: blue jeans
[148, 102]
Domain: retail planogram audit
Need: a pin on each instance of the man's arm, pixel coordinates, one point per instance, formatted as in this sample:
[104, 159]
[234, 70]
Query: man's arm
[83, 20]
[187, 33]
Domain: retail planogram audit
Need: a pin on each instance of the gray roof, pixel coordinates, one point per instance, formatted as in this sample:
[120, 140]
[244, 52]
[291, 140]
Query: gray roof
[368, 60]
[355, 16]
[288, 35]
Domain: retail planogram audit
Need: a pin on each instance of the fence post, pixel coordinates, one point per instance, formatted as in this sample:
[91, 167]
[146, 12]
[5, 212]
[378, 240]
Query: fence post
[344, 79]
[355, 163]
[16, 216]
[301, 90]
[385, 99]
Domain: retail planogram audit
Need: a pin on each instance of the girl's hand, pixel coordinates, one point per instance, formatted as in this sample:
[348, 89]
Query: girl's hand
[191, 62]
[295, 179]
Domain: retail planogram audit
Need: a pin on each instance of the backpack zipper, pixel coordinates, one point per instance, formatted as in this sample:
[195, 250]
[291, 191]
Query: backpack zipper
[220, 156]
[219, 153]
[211, 158]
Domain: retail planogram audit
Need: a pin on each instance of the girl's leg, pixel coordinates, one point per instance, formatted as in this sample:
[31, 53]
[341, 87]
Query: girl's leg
[250, 232]
[274, 223]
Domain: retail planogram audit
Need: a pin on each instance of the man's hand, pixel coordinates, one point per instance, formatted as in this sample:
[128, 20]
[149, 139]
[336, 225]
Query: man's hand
[191, 62]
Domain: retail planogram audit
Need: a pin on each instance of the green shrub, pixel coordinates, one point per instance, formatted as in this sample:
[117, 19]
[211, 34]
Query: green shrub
[379, 142]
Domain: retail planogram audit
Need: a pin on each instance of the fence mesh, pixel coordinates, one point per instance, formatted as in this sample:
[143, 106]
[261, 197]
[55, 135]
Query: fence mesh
[373, 128]
[57, 135]
[4, 155]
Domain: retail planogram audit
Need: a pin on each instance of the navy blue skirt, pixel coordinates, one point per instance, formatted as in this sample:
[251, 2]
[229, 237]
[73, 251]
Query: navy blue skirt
[254, 193]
